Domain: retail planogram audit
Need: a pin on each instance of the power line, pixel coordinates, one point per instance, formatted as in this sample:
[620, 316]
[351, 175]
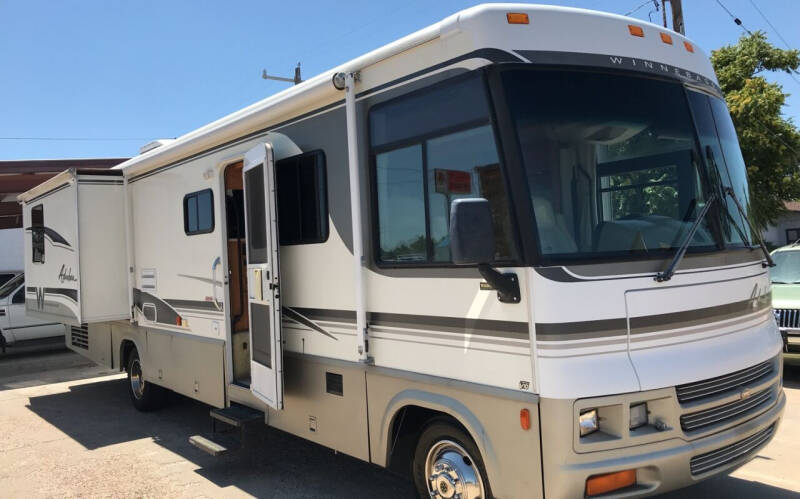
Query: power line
[771, 25]
[639, 7]
[80, 139]
[735, 19]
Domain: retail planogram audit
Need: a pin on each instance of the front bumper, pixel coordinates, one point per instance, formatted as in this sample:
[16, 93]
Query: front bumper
[664, 466]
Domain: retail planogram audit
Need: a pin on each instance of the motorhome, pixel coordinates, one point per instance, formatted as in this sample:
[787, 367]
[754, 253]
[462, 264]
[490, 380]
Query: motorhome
[507, 254]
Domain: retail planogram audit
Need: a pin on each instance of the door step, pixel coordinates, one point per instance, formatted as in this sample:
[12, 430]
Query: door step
[237, 420]
[215, 448]
[237, 415]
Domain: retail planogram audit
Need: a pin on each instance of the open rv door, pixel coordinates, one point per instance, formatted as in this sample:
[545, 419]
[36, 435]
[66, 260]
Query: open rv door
[266, 358]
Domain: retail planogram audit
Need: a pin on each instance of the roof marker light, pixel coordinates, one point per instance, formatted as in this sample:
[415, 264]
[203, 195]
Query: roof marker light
[636, 30]
[689, 47]
[517, 18]
[666, 38]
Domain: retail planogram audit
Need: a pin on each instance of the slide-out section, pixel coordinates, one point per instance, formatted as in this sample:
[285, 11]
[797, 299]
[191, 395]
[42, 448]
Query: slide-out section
[75, 249]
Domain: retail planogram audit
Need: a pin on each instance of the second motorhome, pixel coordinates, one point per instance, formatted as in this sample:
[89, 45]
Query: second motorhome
[507, 254]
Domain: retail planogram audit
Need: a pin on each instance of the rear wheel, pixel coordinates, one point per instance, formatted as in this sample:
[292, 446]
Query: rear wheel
[448, 465]
[144, 395]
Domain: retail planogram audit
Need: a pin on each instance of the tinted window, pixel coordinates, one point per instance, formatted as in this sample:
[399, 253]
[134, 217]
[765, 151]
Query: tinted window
[19, 296]
[198, 212]
[11, 285]
[430, 148]
[302, 199]
[37, 233]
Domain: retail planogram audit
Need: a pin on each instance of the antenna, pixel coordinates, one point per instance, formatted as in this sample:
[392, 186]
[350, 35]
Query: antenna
[297, 79]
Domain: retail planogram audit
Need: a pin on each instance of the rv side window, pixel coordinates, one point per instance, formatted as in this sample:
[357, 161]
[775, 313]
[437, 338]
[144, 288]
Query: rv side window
[430, 148]
[302, 199]
[37, 233]
[198, 212]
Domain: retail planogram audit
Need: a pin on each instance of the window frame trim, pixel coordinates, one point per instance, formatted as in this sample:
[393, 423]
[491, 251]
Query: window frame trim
[186, 230]
[33, 230]
[421, 139]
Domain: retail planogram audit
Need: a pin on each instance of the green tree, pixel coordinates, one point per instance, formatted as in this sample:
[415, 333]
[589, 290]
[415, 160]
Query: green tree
[770, 142]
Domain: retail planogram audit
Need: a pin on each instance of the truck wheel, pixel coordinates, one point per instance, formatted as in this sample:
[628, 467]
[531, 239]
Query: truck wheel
[144, 395]
[447, 464]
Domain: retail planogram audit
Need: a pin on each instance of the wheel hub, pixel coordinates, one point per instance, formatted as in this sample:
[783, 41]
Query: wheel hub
[452, 473]
[137, 380]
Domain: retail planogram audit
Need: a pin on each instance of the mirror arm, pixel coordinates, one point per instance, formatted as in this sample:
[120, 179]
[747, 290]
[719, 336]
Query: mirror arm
[507, 285]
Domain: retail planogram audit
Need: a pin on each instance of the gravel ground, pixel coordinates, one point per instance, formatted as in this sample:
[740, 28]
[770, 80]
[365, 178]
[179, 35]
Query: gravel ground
[69, 430]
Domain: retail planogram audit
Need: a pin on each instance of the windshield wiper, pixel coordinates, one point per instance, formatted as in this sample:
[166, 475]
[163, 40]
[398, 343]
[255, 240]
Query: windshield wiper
[753, 231]
[667, 274]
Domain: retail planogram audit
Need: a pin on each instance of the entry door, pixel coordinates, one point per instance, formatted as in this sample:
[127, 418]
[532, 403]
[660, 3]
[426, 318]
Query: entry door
[266, 353]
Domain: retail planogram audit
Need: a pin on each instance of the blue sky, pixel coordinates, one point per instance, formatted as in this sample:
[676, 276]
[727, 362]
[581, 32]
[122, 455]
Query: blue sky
[151, 69]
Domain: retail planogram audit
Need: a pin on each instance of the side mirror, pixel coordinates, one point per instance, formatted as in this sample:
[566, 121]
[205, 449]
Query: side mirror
[471, 231]
[472, 242]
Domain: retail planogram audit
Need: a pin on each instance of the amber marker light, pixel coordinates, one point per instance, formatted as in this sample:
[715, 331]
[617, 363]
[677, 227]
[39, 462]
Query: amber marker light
[689, 47]
[636, 30]
[525, 419]
[602, 484]
[517, 18]
[666, 38]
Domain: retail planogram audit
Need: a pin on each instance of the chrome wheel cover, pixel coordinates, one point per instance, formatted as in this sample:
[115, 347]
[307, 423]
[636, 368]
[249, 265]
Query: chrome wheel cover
[137, 380]
[451, 473]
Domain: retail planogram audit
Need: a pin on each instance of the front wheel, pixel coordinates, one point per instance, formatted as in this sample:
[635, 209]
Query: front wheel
[448, 465]
[144, 395]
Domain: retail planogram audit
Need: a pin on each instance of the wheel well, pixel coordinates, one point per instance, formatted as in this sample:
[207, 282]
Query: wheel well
[125, 349]
[407, 425]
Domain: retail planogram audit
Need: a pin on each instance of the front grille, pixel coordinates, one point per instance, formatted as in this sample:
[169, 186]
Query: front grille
[726, 412]
[79, 336]
[788, 318]
[709, 387]
[730, 453]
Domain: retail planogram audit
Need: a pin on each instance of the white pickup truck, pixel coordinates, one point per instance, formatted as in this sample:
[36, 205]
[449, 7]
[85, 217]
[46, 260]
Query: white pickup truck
[16, 327]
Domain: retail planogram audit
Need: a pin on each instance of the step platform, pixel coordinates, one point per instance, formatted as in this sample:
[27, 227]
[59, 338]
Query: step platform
[222, 442]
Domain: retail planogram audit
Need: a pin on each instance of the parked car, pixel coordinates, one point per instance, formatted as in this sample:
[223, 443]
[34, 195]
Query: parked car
[16, 326]
[785, 276]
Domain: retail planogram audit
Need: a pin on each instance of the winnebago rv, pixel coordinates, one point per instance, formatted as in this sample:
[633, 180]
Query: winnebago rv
[508, 254]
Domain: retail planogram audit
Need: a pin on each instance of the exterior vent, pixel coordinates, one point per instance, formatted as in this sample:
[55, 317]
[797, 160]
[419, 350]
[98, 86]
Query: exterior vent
[79, 336]
[713, 386]
[710, 461]
[334, 384]
[155, 144]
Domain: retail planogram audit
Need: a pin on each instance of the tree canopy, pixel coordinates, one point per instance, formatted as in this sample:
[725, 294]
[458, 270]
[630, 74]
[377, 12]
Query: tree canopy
[770, 142]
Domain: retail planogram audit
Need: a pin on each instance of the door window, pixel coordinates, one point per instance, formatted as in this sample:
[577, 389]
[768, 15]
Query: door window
[19, 296]
[256, 217]
[302, 199]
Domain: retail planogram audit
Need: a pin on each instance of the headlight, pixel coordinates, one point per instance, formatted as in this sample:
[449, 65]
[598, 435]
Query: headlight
[638, 415]
[587, 421]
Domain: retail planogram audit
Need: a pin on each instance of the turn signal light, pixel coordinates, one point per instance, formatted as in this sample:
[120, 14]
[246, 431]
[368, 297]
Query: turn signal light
[525, 419]
[666, 38]
[689, 47]
[517, 18]
[602, 484]
[636, 30]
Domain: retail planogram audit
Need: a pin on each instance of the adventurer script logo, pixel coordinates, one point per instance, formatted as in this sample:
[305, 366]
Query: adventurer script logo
[66, 275]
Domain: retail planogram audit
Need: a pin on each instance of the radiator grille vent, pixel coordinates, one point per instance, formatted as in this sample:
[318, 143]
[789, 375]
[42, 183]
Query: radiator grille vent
[79, 336]
[738, 409]
[730, 453]
[710, 387]
[788, 318]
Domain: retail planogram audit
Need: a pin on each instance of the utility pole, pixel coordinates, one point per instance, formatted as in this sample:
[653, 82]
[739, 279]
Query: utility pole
[677, 15]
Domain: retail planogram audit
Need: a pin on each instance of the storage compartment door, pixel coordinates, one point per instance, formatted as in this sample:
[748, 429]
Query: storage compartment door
[52, 273]
[266, 354]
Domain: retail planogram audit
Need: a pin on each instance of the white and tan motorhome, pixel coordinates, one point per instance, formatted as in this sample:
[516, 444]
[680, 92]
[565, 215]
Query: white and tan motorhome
[507, 254]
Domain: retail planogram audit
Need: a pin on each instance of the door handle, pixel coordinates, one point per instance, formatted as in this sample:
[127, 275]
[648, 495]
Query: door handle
[214, 266]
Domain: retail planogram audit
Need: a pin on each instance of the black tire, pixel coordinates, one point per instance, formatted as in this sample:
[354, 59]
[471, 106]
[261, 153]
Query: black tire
[148, 397]
[438, 431]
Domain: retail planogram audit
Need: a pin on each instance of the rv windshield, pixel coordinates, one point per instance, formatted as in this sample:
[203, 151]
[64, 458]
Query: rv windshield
[614, 165]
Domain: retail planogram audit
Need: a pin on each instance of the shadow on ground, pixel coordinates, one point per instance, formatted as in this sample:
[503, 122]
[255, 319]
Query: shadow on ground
[44, 363]
[275, 465]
